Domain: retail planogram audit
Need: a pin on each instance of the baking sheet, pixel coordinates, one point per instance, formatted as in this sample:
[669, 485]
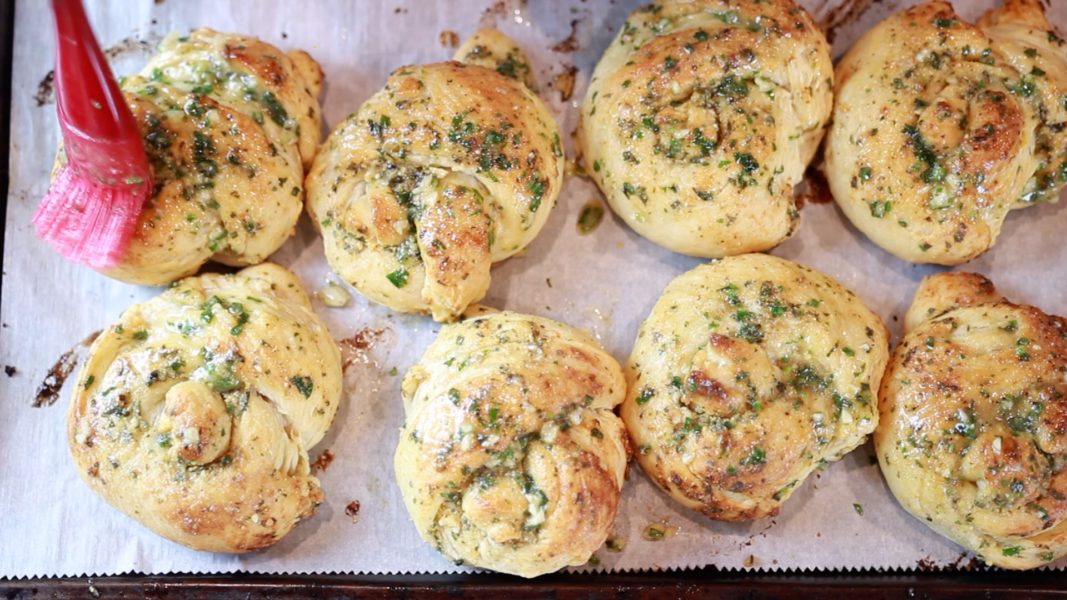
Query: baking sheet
[605, 282]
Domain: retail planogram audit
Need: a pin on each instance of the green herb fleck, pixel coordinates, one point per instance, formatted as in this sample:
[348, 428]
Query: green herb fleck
[536, 187]
[591, 216]
[303, 384]
[645, 395]
[399, 277]
[756, 457]
[880, 209]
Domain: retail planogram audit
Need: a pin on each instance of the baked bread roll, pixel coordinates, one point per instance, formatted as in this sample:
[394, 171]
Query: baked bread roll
[748, 374]
[941, 127]
[701, 117]
[229, 124]
[510, 457]
[973, 435]
[195, 412]
[449, 168]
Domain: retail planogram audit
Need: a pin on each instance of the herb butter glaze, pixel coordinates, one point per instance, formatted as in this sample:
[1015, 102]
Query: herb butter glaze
[750, 373]
[702, 116]
[229, 124]
[942, 127]
[510, 457]
[194, 413]
[973, 435]
[449, 168]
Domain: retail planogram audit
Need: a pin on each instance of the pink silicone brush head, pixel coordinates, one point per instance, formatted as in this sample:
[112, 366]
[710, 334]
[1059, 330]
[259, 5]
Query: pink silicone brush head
[90, 211]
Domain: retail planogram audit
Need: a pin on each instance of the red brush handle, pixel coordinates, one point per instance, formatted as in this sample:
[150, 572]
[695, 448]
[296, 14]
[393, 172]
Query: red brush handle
[100, 134]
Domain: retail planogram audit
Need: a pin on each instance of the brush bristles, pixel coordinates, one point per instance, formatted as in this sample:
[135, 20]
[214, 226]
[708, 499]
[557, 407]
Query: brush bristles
[87, 222]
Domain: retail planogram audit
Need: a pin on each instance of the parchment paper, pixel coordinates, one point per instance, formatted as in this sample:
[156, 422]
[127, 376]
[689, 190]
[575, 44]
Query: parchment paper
[606, 282]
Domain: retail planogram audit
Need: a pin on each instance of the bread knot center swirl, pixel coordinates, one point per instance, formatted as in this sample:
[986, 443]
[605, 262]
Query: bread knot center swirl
[195, 418]
[965, 134]
[941, 127]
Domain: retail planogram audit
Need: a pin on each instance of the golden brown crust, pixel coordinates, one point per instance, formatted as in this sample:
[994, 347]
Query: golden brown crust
[195, 412]
[973, 436]
[511, 458]
[492, 49]
[938, 294]
[447, 169]
[941, 127]
[702, 116]
[748, 374]
[229, 122]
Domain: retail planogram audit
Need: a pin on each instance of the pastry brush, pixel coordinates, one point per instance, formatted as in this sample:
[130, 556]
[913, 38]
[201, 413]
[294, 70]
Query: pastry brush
[90, 211]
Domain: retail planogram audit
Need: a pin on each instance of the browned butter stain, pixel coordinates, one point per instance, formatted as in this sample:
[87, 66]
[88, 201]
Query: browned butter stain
[356, 348]
[569, 43]
[816, 190]
[48, 390]
[841, 15]
[352, 510]
[45, 89]
[46, 86]
[500, 9]
[131, 44]
[323, 461]
[448, 38]
[564, 82]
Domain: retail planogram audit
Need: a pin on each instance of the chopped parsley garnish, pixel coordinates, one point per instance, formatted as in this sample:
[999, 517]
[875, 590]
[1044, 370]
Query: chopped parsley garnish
[935, 172]
[645, 395]
[303, 384]
[398, 278]
[756, 457]
[731, 87]
[275, 110]
[1021, 349]
[880, 208]
[748, 164]
[536, 187]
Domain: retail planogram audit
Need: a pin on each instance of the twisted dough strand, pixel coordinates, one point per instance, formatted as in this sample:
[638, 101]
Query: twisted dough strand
[447, 169]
